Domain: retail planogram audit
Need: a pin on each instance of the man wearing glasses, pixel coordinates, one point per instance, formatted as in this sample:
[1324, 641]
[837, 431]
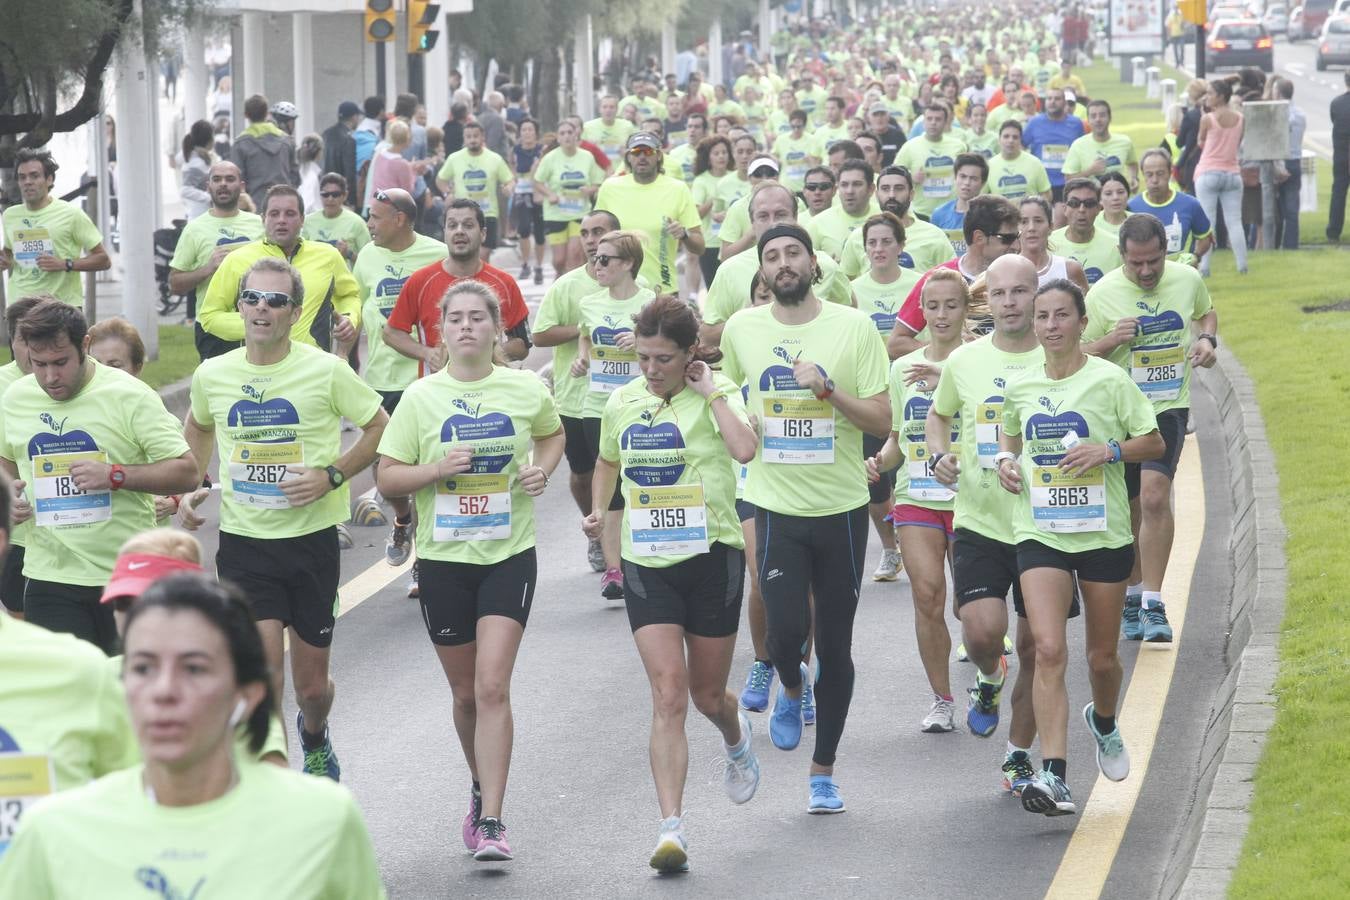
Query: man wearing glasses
[335, 223]
[1093, 248]
[818, 189]
[331, 316]
[274, 409]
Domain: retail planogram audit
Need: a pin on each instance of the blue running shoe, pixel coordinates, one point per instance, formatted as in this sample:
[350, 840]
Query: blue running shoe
[1130, 626]
[808, 697]
[1017, 772]
[321, 760]
[1154, 621]
[982, 710]
[825, 799]
[755, 697]
[1048, 795]
[785, 725]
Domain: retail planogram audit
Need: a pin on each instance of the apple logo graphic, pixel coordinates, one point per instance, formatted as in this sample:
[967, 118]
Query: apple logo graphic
[7, 743]
[386, 293]
[1009, 181]
[884, 317]
[58, 440]
[606, 335]
[906, 261]
[255, 412]
[916, 411]
[227, 236]
[467, 426]
[1154, 323]
[1048, 431]
[655, 452]
[780, 378]
[475, 181]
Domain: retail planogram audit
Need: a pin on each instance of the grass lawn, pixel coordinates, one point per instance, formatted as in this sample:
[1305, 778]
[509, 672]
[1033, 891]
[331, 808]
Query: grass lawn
[177, 357]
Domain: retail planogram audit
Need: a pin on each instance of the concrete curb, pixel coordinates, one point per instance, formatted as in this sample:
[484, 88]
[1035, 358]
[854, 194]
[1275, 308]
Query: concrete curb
[1243, 711]
[175, 396]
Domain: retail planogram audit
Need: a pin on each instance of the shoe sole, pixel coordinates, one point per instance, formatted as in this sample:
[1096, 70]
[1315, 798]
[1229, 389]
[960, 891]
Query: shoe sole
[670, 859]
[938, 728]
[823, 811]
[895, 577]
[1158, 639]
[978, 733]
[1038, 802]
[774, 740]
[616, 594]
[806, 723]
[748, 708]
[492, 854]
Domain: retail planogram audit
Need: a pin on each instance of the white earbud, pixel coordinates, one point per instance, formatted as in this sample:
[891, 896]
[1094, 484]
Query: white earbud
[237, 716]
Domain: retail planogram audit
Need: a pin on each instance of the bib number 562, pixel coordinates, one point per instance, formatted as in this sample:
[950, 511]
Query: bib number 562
[473, 504]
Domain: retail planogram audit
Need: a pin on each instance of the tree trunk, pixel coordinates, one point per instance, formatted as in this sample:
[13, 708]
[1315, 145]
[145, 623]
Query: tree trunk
[544, 90]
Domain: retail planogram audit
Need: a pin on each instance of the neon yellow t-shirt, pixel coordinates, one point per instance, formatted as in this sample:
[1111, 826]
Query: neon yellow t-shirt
[737, 223]
[985, 143]
[832, 228]
[1099, 402]
[115, 418]
[731, 188]
[267, 418]
[1097, 257]
[647, 107]
[729, 108]
[276, 833]
[345, 226]
[477, 177]
[1117, 151]
[602, 320]
[936, 159]
[565, 176]
[10, 373]
[705, 189]
[730, 290]
[914, 480]
[381, 274]
[204, 234]
[1016, 178]
[882, 302]
[59, 229]
[796, 156]
[679, 163]
[482, 516]
[812, 102]
[644, 208]
[810, 459]
[676, 473]
[926, 246]
[972, 385]
[828, 135]
[562, 306]
[1158, 358]
[609, 138]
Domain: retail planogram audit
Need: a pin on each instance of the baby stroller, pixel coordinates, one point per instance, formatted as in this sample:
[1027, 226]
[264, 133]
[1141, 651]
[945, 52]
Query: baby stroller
[166, 242]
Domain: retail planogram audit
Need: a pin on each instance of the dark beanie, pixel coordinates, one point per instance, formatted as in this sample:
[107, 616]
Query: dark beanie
[788, 229]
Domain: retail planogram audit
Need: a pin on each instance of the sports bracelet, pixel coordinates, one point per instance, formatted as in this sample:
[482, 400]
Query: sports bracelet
[716, 395]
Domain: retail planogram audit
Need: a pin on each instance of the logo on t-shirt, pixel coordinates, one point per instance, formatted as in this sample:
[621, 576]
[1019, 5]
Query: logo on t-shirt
[1155, 323]
[494, 433]
[268, 415]
[1048, 431]
[58, 440]
[654, 452]
[780, 378]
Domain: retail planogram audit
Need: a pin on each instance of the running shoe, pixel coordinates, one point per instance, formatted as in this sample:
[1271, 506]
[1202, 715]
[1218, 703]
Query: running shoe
[741, 776]
[611, 585]
[1156, 629]
[1017, 772]
[1130, 623]
[961, 654]
[492, 845]
[1112, 757]
[889, 567]
[941, 718]
[808, 701]
[755, 697]
[671, 853]
[321, 761]
[825, 799]
[1007, 646]
[413, 591]
[1048, 795]
[368, 514]
[399, 545]
[982, 711]
[471, 821]
[344, 537]
[524, 271]
[538, 274]
[785, 725]
[595, 556]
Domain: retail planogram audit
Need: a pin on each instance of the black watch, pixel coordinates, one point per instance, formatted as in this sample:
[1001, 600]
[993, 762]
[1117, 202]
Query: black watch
[335, 477]
[937, 458]
[70, 264]
[1213, 341]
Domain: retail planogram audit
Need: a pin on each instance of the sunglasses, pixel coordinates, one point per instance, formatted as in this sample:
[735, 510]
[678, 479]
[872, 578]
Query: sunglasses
[273, 299]
[603, 260]
[642, 151]
[818, 185]
[1075, 203]
[1007, 237]
[332, 195]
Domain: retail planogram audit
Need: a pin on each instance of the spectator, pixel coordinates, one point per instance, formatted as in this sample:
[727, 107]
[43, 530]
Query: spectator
[517, 110]
[198, 156]
[339, 145]
[454, 128]
[264, 153]
[1218, 178]
[1340, 161]
[367, 137]
[390, 168]
[1188, 132]
[494, 126]
[1286, 205]
[307, 159]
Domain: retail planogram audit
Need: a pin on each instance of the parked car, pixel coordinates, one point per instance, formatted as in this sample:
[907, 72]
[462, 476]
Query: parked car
[1334, 46]
[1306, 20]
[1276, 18]
[1234, 43]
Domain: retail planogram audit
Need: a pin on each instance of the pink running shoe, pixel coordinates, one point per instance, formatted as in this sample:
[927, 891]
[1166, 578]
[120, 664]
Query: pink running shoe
[492, 845]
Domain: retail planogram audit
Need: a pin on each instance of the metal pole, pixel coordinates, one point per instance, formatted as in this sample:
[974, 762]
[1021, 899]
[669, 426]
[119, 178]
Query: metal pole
[1200, 51]
[379, 69]
[136, 152]
[302, 74]
[1268, 205]
[583, 56]
[196, 79]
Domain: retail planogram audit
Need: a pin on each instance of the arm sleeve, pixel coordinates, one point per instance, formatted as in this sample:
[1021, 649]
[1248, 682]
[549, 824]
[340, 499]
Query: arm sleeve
[873, 362]
[1203, 303]
[25, 870]
[86, 231]
[837, 288]
[115, 745]
[351, 396]
[1041, 181]
[200, 406]
[184, 254]
[447, 171]
[687, 215]
[946, 399]
[404, 314]
[514, 310]
[911, 311]
[546, 421]
[731, 365]
[1134, 410]
[609, 433]
[1201, 226]
[897, 386]
[215, 309]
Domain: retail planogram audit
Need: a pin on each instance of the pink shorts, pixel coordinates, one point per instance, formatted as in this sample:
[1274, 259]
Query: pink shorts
[909, 514]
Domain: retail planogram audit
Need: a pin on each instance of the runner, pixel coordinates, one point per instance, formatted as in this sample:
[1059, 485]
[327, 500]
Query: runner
[607, 359]
[831, 228]
[813, 360]
[566, 178]
[480, 175]
[978, 138]
[681, 159]
[1141, 319]
[1035, 230]
[923, 518]
[984, 552]
[1048, 137]
[710, 166]
[90, 447]
[797, 149]
[930, 157]
[818, 190]
[668, 441]
[972, 172]
[1079, 239]
[12, 582]
[195, 669]
[47, 240]
[1099, 151]
[1015, 173]
[926, 245]
[1071, 526]
[275, 408]
[336, 224]
[474, 479]
[1116, 197]
[1190, 234]
[527, 213]
[608, 132]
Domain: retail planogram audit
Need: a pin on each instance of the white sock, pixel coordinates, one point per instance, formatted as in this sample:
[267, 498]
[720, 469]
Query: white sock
[1012, 749]
[740, 748]
[1152, 599]
[1134, 591]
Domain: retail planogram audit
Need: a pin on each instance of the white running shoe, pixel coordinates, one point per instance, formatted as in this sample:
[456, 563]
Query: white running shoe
[941, 718]
[671, 853]
[741, 775]
[889, 567]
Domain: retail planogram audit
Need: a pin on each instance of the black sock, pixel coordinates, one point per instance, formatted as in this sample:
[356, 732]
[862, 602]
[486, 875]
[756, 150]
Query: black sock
[402, 521]
[1056, 767]
[766, 662]
[1104, 724]
[477, 789]
[311, 741]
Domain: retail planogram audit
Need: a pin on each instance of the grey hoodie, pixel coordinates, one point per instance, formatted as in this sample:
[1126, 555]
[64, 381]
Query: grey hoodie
[265, 156]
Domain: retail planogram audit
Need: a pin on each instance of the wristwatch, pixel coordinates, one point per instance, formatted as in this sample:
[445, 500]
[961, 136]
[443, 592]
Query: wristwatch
[829, 389]
[1213, 341]
[117, 476]
[70, 264]
[335, 477]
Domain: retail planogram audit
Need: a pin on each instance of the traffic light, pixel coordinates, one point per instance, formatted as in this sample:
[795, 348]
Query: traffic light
[421, 16]
[1193, 11]
[380, 18]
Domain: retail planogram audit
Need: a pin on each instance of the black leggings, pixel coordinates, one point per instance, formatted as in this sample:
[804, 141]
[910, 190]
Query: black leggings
[820, 555]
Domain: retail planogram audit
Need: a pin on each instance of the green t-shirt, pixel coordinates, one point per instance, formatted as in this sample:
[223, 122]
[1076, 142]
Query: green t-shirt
[565, 176]
[706, 188]
[812, 102]
[680, 163]
[1023, 176]
[1097, 257]
[115, 418]
[914, 481]
[972, 385]
[882, 302]
[1158, 358]
[59, 229]
[1117, 151]
[737, 223]
[644, 208]
[796, 156]
[482, 516]
[676, 474]
[269, 417]
[832, 228]
[204, 234]
[730, 290]
[609, 138]
[345, 226]
[562, 306]
[729, 108]
[985, 143]
[1101, 224]
[810, 459]
[778, 125]
[936, 159]
[731, 188]
[828, 135]
[477, 177]
[926, 246]
[602, 320]
[647, 108]
[10, 373]
[276, 833]
[1090, 510]
[381, 274]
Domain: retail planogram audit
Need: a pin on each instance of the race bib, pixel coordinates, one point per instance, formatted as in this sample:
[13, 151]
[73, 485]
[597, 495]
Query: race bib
[473, 508]
[938, 185]
[668, 521]
[571, 203]
[923, 484]
[24, 780]
[29, 244]
[988, 428]
[258, 469]
[1158, 371]
[612, 368]
[57, 502]
[523, 183]
[1053, 155]
[797, 431]
[1064, 503]
[1173, 236]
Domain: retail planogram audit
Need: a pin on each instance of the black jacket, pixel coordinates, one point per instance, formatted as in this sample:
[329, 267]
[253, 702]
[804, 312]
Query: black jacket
[339, 155]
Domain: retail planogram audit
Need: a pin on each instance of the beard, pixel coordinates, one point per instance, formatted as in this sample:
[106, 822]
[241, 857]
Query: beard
[790, 292]
[900, 209]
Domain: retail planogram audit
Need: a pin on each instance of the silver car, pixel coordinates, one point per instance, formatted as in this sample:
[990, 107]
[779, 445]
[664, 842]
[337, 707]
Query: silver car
[1333, 47]
[1276, 18]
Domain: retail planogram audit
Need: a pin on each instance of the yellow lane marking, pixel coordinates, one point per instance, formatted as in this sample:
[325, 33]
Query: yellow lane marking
[1101, 826]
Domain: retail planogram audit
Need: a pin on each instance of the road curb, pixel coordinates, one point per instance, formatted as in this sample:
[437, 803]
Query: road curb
[175, 396]
[1243, 710]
